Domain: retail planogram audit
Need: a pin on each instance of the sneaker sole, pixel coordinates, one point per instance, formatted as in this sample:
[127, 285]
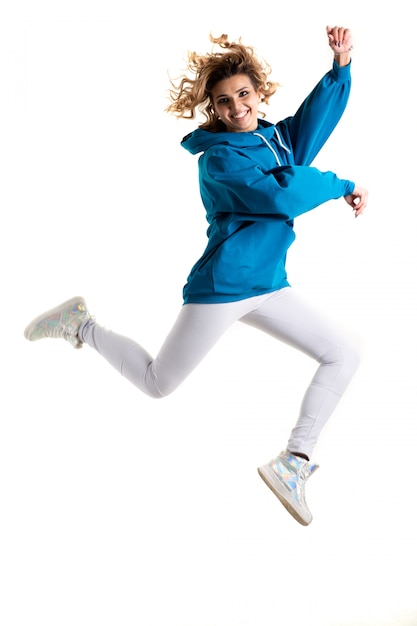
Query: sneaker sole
[29, 328]
[272, 481]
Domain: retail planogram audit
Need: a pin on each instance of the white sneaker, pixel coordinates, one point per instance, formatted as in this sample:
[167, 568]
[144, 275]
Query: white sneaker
[286, 476]
[63, 321]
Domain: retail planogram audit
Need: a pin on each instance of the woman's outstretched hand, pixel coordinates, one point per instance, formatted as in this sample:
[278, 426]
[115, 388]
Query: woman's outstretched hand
[358, 200]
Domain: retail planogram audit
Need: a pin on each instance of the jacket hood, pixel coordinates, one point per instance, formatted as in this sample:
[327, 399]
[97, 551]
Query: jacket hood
[200, 140]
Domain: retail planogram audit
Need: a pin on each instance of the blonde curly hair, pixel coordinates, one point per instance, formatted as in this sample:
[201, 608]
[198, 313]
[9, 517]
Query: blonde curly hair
[192, 94]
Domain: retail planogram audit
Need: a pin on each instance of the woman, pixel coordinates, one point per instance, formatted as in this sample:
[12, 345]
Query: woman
[255, 179]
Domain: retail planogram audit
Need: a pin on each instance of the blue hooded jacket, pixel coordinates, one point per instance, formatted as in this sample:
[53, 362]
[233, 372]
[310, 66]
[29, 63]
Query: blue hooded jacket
[253, 185]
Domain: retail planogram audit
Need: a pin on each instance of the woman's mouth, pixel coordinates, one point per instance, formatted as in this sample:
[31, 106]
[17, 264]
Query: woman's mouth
[239, 116]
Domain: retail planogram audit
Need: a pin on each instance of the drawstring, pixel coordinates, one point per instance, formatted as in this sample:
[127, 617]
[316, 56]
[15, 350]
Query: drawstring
[284, 147]
[281, 143]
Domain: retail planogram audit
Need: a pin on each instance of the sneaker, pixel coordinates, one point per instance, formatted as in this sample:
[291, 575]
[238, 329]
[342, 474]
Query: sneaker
[286, 476]
[63, 322]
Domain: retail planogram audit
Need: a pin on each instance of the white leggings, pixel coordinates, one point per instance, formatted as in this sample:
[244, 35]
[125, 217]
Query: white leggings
[198, 327]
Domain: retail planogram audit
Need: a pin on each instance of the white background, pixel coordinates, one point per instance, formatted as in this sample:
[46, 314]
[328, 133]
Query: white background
[121, 510]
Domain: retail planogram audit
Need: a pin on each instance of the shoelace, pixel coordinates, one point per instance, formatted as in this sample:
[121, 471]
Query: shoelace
[58, 331]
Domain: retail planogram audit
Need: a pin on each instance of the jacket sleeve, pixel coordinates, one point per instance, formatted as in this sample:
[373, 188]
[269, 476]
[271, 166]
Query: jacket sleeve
[236, 186]
[308, 130]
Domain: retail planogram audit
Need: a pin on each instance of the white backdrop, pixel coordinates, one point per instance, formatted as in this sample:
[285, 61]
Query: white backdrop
[119, 509]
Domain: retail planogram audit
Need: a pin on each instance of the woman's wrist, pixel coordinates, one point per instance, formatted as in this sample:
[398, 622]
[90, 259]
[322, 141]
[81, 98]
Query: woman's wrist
[342, 58]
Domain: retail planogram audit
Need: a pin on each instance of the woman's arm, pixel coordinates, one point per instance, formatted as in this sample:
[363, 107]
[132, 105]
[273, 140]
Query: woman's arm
[231, 183]
[308, 130]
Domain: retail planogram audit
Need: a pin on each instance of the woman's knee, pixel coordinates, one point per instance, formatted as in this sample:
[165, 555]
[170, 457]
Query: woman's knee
[344, 357]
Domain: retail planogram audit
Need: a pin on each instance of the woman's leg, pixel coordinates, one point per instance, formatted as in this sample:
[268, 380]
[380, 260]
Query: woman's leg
[196, 330]
[288, 318]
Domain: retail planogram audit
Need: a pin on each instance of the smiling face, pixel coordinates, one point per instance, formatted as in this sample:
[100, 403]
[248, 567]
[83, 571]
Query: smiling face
[236, 103]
